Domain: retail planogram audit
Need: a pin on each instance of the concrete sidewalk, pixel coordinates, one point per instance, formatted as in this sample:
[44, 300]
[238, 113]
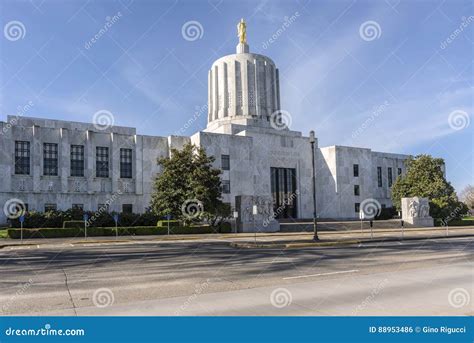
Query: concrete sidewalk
[252, 240]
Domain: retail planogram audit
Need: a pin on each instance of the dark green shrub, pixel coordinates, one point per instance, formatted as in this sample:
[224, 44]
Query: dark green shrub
[387, 213]
[73, 224]
[225, 227]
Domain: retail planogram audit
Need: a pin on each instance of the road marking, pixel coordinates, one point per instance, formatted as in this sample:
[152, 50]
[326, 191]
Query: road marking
[321, 274]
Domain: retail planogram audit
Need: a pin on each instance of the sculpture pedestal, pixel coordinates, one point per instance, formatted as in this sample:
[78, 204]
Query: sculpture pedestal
[261, 221]
[242, 48]
[416, 211]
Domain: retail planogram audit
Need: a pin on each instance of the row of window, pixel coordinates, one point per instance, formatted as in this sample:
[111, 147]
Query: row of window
[126, 208]
[379, 175]
[51, 162]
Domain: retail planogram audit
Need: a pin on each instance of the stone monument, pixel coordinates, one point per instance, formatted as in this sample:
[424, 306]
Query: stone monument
[255, 214]
[416, 211]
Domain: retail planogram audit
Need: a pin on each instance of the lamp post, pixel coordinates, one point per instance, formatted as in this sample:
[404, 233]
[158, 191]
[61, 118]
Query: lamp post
[312, 140]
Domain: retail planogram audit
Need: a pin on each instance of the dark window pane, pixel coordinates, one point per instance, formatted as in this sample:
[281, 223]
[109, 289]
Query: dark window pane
[77, 160]
[102, 161]
[356, 190]
[22, 158]
[225, 160]
[127, 208]
[225, 186]
[389, 174]
[379, 176]
[356, 170]
[357, 207]
[49, 207]
[50, 159]
[126, 163]
[399, 171]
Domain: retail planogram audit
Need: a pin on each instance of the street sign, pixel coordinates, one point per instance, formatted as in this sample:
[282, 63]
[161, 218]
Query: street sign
[168, 217]
[236, 214]
[85, 217]
[361, 215]
[22, 219]
[116, 218]
[255, 210]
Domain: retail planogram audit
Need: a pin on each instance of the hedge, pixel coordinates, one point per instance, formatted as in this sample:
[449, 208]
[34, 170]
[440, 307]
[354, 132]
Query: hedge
[454, 222]
[108, 231]
[172, 223]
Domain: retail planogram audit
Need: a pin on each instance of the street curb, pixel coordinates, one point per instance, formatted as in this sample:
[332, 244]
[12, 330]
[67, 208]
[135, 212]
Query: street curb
[335, 243]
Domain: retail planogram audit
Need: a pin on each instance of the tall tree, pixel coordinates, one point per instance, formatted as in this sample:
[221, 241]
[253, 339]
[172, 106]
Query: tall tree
[188, 187]
[425, 178]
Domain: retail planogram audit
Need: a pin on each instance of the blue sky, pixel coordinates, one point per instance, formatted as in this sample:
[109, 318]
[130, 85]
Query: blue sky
[405, 86]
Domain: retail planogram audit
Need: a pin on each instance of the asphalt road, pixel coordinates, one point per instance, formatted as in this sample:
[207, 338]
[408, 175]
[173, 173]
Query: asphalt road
[426, 277]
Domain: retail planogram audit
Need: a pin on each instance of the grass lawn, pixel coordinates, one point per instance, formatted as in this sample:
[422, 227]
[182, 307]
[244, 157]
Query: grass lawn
[3, 234]
[468, 218]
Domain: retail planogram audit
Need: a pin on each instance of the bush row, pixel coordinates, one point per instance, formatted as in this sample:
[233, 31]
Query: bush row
[454, 222]
[110, 231]
[55, 219]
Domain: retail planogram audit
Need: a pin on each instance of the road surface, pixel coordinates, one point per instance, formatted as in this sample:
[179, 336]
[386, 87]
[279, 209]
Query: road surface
[426, 277]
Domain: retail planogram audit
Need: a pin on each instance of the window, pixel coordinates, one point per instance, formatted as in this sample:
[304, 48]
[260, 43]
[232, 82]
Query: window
[356, 170]
[357, 207]
[77, 160]
[225, 186]
[284, 192]
[379, 176]
[127, 208]
[126, 163]
[22, 158]
[49, 207]
[399, 171]
[225, 161]
[389, 173]
[356, 190]
[50, 159]
[101, 161]
[78, 207]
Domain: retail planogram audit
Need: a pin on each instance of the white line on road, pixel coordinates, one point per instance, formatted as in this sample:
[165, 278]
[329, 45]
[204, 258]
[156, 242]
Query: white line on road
[321, 274]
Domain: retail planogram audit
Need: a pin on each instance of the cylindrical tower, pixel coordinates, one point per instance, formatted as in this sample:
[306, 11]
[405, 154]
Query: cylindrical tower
[243, 86]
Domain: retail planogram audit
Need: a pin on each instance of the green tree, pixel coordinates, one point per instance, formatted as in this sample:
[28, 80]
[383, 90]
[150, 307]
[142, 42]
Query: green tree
[188, 187]
[425, 178]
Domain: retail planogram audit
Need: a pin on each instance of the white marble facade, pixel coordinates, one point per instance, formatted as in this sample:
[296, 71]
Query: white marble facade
[244, 96]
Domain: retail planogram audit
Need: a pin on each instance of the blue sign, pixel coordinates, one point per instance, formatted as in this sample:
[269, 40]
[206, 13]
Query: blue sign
[168, 216]
[116, 217]
[22, 219]
[86, 217]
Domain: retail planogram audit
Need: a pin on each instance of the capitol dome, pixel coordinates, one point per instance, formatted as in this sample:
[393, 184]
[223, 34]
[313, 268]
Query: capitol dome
[243, 88]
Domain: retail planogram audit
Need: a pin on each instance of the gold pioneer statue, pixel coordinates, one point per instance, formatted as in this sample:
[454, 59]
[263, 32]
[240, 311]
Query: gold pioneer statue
[242, 31]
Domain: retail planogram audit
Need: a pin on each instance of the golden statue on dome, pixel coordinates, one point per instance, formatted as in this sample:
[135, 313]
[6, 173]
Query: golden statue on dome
[242, 31]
